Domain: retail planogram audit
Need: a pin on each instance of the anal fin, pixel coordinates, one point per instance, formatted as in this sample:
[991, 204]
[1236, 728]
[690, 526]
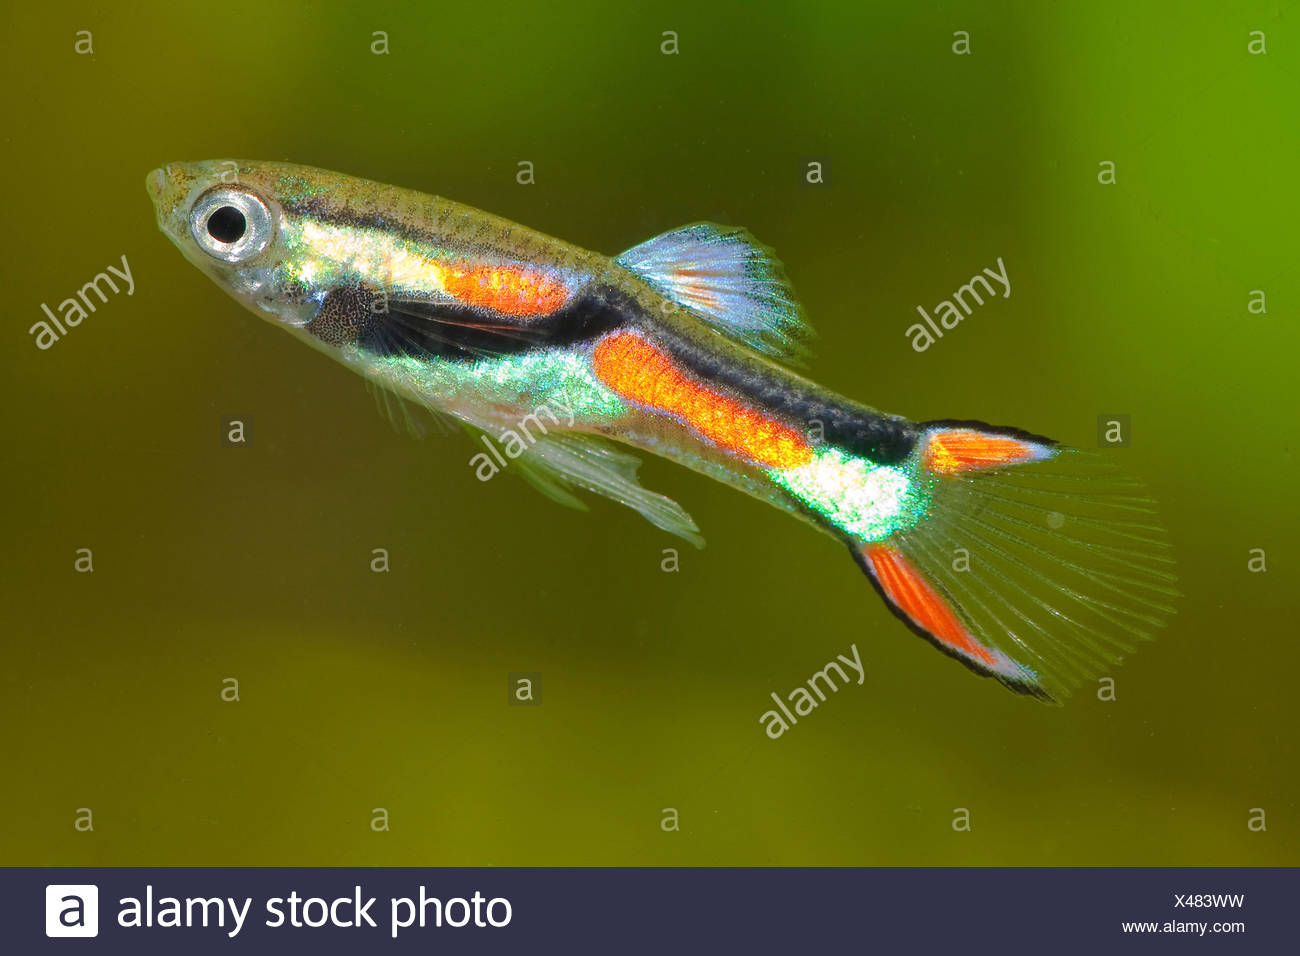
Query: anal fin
[555, 464]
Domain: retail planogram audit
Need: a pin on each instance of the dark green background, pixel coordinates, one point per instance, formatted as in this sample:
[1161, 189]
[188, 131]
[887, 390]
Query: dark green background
[362, 690]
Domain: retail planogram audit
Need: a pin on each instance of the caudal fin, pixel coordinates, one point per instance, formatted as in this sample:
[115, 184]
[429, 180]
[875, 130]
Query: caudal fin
[1037, 565]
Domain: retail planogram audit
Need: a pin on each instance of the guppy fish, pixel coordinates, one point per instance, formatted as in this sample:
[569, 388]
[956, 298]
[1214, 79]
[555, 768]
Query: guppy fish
[1028, 562]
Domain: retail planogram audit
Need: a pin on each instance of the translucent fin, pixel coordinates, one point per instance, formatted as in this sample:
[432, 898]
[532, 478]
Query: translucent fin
[1043, 574]
[543, 477]
[418, 421]
[724, 274]
[557, 463]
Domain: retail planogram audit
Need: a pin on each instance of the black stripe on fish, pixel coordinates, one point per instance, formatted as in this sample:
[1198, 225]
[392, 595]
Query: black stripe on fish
[366, 317]
[356, 315]
[885, 439]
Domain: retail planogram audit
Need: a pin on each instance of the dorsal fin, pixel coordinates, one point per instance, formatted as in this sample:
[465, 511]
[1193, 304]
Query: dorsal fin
[725, 275]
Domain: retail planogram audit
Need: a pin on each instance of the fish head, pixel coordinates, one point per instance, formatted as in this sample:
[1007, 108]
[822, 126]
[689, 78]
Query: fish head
[229, 220]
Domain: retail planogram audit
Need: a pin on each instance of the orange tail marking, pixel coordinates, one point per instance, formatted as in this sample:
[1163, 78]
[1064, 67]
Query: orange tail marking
[638, 371]
[905, 586]
[948, 453]
[507, 289]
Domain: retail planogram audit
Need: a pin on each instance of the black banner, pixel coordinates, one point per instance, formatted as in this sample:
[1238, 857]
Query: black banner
[644, 910]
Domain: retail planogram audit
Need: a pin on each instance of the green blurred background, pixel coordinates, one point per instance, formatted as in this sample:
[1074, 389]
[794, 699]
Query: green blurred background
[361, 690]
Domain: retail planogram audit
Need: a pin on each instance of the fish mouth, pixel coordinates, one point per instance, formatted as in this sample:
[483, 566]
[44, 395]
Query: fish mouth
[165, 187]
[154, 183]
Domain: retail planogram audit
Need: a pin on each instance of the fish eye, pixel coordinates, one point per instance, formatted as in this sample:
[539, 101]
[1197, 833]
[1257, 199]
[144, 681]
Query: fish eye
[227, 224]
[230, 224]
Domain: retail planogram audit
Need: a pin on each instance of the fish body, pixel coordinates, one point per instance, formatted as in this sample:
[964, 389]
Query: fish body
[682, 347]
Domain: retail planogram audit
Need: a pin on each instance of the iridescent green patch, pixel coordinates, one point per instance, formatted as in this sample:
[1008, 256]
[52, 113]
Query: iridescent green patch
[867, 500]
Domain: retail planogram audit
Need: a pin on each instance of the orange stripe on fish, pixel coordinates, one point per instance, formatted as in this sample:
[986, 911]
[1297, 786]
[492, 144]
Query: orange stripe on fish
[642, 373]
[510, 290]
[913, 595]
[952, 452]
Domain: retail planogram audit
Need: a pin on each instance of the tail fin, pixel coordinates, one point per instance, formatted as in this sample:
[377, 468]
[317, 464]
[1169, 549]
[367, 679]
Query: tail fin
[1037, 565]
